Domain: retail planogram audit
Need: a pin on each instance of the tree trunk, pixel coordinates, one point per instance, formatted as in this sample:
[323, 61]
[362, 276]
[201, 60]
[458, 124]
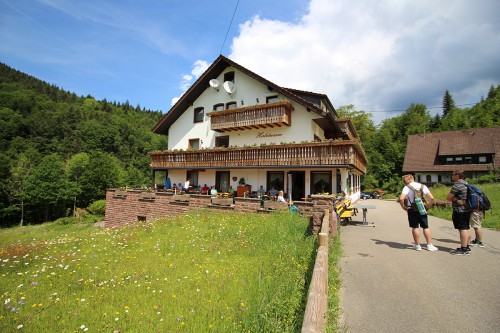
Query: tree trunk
[22, 214]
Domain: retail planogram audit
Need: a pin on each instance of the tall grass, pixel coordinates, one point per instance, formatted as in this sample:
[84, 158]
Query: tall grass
[492, 217]
[201, 272]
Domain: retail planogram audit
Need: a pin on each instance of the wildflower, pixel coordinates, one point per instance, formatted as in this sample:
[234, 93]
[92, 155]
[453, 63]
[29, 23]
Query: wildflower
[116, 319]
[7, 301]
[20, 326]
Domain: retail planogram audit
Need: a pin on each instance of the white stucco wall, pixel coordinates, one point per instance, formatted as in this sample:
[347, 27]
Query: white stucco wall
[248, 90]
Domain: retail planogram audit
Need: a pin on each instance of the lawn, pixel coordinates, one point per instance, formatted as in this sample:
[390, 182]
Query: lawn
[200, 272]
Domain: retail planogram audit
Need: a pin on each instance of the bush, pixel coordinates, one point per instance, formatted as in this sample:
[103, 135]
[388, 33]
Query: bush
[438, 186]
[97, 207]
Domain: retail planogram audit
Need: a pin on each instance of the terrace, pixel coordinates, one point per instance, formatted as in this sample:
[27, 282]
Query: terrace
[348, 153]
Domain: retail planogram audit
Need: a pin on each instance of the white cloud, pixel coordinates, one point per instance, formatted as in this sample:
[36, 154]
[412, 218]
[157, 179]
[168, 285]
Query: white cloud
[199, 67]
[379, 55]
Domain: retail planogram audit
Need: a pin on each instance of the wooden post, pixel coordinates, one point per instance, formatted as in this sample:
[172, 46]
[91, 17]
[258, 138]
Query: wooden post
[317, 299]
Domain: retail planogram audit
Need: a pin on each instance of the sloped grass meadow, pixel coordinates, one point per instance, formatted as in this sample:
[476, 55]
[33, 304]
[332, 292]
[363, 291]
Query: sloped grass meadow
[199, 272]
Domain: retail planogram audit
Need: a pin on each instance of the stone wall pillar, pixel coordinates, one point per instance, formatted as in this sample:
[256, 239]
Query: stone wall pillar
[320, 203]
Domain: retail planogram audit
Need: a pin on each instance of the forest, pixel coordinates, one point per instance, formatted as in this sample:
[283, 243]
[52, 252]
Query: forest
[60, 151]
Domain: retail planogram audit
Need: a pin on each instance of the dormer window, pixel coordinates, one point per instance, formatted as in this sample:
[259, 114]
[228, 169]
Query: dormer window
[271, 99]
[199, 113]
[229, 76]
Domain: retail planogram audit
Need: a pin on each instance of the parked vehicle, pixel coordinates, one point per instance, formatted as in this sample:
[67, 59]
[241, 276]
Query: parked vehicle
[365, 196]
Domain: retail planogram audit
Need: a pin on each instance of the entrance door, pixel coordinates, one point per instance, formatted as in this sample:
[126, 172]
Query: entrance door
[222, 181]
[298, 183]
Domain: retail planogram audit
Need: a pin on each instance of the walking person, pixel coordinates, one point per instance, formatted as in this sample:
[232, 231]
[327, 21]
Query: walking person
[461, 214]
[415, 219]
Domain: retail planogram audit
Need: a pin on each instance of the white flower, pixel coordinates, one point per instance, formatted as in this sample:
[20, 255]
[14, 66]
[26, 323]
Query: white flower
[20, 326]
[7, 301]
[82, 327]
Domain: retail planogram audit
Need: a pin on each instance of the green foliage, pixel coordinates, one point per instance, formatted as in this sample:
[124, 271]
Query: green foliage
[97, 207]
[48, 188]
[37, 118]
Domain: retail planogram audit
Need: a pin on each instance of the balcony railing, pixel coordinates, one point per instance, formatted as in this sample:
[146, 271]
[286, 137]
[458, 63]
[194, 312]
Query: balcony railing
[256, 116]
[314, 154]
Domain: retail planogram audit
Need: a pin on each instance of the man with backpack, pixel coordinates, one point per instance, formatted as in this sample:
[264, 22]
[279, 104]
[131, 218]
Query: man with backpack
[408, 198]
[461, 212]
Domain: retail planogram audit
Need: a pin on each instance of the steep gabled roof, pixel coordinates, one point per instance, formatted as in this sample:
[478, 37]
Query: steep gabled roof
[217, 67]
[424, 150]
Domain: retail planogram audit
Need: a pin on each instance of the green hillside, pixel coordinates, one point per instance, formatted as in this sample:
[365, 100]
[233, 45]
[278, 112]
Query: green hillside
[56, 146]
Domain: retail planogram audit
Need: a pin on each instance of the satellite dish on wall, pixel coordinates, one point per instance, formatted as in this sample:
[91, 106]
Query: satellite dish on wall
[214, 83]
[229, 87]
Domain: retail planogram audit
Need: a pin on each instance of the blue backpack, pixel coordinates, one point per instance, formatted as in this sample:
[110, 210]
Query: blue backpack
[476, 199]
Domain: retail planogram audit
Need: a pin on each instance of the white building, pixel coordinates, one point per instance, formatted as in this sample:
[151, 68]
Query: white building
[233, 124]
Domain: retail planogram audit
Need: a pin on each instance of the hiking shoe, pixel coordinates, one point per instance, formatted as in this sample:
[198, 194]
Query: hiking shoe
[417, 247]
[460, 252]
[431, 247]
[476, 243]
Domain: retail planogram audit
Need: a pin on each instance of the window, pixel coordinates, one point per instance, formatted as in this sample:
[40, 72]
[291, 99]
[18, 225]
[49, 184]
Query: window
[229, 76]
[230, 105]
[440, 179]
[321, 182]
[222, 141]
[219, 107]
[159, 176]
[482, 159]
[193, 177]
[194, 143]
[271, 99]
[276, 180]
[428, 178]
[449, 159]
[468, 160]
[199, 113]
[459, 159]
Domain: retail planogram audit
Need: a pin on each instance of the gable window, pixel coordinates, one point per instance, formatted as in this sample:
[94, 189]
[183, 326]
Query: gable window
[219, 107]
[230, 105]
[194, 143]
[271, 99]
[222, 141]
[229, 76]
[199, 113]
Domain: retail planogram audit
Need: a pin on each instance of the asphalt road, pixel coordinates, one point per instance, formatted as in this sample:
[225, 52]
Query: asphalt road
[390, 287]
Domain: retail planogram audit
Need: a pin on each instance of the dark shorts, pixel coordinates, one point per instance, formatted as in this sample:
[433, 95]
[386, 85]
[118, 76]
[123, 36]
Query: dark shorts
[415, 220]
[461, 220]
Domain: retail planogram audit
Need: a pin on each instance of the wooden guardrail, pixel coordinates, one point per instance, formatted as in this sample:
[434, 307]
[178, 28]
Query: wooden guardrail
[317, 299]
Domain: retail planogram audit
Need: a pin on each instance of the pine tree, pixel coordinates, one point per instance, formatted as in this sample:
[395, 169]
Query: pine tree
[448, 103]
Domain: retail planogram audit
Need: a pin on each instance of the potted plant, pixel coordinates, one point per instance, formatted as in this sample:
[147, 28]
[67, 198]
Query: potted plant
[242, 181]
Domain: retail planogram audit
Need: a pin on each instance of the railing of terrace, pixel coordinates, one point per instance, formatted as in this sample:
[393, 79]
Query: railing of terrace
[255, 116]
[305, 154]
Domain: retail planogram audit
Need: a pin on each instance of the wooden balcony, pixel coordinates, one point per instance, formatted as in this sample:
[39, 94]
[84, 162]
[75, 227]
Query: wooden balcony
[251, 117]
[314, 154]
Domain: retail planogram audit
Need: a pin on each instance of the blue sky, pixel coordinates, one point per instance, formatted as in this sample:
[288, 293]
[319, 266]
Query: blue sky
[378, 55]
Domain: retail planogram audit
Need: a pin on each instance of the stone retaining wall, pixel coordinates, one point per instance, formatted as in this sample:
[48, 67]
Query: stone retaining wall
[134, 206]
